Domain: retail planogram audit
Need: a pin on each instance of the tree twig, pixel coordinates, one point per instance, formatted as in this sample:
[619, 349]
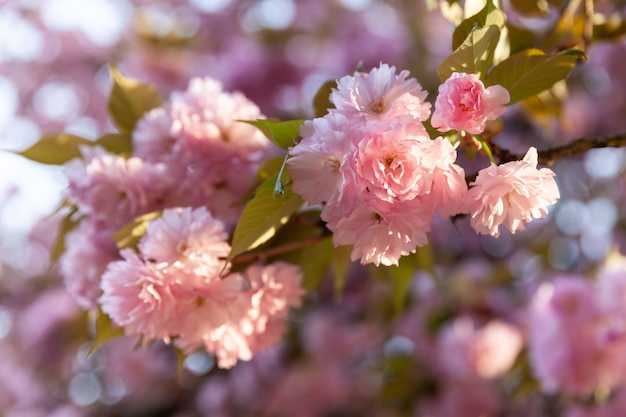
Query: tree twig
[279, 250]
[577, 146]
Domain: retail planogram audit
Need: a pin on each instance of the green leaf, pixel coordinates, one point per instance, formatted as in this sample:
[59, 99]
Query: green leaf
[282, 134]
[67, 224]
[535, 8]
[474, 56]
[321, 101]
[56, 149]
[129, 100]
[105, 330]
[117, 143]
[489, 15]
[530, 72]
[313, 260]
[340, 263]
[129, 235]
[263, 216]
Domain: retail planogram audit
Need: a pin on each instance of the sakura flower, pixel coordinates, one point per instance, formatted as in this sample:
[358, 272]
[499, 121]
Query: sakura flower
[465, 104]
[382, 237]
[511, 194]
[88, 252]
[381, 94]
[247, 317]
[316, 161]
[140, 297]
[115, 190]
[191, 238]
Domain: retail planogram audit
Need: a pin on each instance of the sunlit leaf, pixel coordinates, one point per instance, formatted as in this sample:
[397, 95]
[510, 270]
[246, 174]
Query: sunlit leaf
[56, 149]
[475, 55]
[129, 235]
[321, 101]
[117, 143]
[282, 134]
[263, 216]
[67, 224]
[130, 99]
[532, 71]
[340, 263]
[489, 15]
[105, 330]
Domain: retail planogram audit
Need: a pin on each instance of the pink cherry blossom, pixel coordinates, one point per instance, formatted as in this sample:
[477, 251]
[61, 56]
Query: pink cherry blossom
[316, 161]
[381, 94]
[192, 238]
[140, 297]
[511, 194]
[382, 238]
[465, 104]
[88, 251]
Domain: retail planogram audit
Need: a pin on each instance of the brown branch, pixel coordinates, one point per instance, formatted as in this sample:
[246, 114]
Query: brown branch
[279, 250]
[549, 156]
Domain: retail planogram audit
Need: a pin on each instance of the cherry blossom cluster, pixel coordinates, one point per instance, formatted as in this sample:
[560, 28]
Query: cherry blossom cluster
[192, 161]
[381, 178]
[577, 333]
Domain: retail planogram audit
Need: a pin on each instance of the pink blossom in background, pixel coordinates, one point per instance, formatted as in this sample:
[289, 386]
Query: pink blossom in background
[87, 254]
[463, 103]
[510, 195]
[572, 343]
[209, 152]
[469, 350]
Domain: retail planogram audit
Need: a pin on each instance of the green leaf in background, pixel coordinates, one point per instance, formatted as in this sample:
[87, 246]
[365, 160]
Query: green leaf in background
[313, 260]
[117, 143]
[67, 224]
[535, 8]
[105, 330]
[474, 56]
[129, 235]
[532, 71]
[129, 100]
[321, 101]
[489, 15]
[263, 216]
[282, 134]
[56, 149]
[340, 263]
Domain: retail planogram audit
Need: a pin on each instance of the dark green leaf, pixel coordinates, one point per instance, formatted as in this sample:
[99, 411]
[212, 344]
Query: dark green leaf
[129, 100]
[67, 224]
[530, 72]
[105, 330]
[117, 143]
[129, 235]
[263, 216]
[321, 101]
[489, 15]
[313, 260]
[340, 263]
[282, 134]
[474, 56]
[56, 149]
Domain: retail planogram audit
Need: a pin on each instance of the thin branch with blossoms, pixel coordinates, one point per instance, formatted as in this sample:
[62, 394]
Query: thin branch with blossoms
[577, 146]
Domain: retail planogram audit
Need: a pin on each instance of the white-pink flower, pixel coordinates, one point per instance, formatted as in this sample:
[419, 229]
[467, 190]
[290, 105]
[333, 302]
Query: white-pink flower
[190, 238]
[465, 104]
[381, 94]
[511, 195]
